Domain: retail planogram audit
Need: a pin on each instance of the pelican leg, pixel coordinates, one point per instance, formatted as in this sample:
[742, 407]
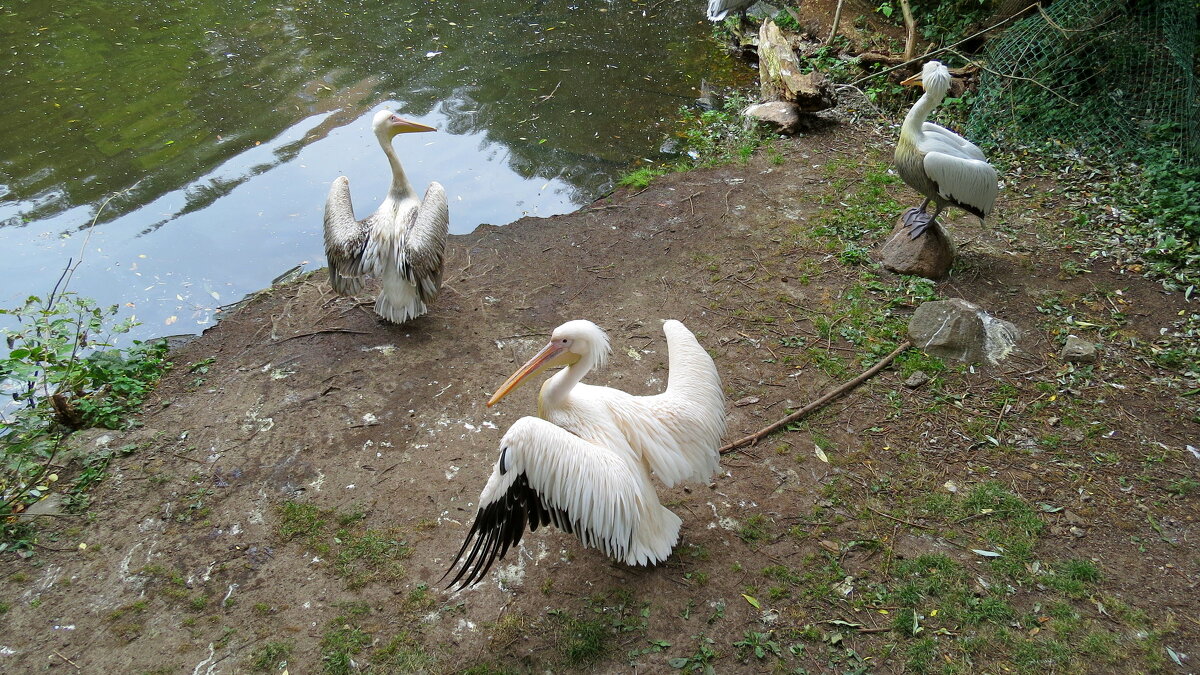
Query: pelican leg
[923, 221]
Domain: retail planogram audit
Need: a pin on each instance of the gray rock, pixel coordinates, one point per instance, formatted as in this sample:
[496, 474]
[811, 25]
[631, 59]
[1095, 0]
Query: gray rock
[917, 379]
[929, 255]
[1078, 350]
[957, 329]
[779, 116]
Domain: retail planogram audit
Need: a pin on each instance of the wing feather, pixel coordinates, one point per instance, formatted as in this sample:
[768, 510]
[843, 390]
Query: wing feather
[345, 239]
[967, 148]
[969, 183]
[546, 475]
[426, 242]
[679, 431]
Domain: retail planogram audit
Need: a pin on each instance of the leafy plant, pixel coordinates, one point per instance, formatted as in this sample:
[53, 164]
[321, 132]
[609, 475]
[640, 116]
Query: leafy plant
[62, 376]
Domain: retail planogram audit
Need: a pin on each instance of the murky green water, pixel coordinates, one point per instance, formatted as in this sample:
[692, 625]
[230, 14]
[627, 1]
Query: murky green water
[219, 127]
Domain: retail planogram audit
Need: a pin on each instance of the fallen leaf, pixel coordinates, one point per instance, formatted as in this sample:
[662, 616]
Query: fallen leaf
[749, 400]
[633, 354]
[752, 601]
[821, 454]
[986, 554]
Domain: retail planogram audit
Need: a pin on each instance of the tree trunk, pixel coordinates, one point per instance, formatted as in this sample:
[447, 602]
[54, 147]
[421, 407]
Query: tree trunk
[779, 72]
[910, 31]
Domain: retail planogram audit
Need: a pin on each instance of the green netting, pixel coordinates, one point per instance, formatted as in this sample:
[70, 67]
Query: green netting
[1117, 74]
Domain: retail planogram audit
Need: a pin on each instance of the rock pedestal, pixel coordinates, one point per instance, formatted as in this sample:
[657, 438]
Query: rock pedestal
[929, 255]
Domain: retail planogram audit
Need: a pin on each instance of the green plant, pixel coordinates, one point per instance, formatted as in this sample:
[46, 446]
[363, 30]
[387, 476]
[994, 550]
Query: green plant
[701, 661]
[61, 376]
[757, 645]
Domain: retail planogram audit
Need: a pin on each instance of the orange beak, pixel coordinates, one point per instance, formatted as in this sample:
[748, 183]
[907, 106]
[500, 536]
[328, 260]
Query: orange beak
[912, 81]
[551, 355]
[403, 126]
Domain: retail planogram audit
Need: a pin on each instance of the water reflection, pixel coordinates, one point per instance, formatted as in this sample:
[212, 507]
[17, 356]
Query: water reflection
[221, 125]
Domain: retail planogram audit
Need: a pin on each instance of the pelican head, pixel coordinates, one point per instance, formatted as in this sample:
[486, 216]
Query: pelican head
[388, 124]
[934, 78]
[570, 343]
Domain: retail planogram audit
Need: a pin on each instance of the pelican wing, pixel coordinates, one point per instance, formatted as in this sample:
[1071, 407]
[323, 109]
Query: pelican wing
[345, 238]
[969, 183]
[546, 475]
[949, 140]
[679, 431]
[426, 242]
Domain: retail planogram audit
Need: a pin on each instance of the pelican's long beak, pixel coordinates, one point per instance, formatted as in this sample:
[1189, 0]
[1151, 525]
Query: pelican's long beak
[403, 126]
[551, 355]
[912, 81]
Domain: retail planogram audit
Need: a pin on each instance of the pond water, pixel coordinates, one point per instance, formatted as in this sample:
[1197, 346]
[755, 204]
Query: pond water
[201, 137]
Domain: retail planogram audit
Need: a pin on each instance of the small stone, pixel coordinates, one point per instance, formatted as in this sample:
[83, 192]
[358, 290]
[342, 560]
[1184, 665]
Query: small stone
[917, 379]
[1078, 351]
[957, 329]
[929, 255]
[1076, 532]
[778, 116]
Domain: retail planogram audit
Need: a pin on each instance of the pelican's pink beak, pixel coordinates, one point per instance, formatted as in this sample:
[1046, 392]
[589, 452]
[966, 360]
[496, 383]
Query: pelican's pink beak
[402, 126]
[551, 355]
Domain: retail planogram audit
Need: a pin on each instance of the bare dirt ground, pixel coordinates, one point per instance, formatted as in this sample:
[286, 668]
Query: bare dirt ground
[304, 475]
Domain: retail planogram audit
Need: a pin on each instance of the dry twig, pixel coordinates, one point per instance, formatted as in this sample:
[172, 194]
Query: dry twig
[817, 404]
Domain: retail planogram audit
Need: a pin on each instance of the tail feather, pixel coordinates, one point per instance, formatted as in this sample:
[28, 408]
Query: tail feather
[398, 299]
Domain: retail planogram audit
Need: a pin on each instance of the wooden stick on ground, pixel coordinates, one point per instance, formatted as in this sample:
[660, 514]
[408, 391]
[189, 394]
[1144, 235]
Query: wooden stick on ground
[819, 403]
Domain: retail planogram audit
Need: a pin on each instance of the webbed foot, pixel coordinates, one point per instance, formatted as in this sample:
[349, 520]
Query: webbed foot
[919, 222]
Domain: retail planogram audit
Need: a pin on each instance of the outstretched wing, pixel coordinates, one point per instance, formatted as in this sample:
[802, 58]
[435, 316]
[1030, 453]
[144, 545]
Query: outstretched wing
[546, 475]
[426, 242]
[345, 238]
[951, 139]
[969, 183]
[678, 431]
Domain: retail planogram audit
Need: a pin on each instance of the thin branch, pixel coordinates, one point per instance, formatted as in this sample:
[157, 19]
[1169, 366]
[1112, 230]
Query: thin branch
[819, 403]
[1012, 77]
[935, 52]
[837, 18]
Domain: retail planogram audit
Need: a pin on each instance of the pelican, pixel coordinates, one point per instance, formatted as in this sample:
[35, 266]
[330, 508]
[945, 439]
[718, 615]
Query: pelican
[945, 167]
[401, 243]
[583, 464]
[719, 9]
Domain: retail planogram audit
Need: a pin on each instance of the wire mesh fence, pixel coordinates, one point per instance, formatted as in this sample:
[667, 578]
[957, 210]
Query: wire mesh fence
[1118, 74]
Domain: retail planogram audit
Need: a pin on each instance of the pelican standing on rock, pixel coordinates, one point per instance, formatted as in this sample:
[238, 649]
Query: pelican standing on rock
[945, 167]
[719, 9]
[401, 244]
[584, 463]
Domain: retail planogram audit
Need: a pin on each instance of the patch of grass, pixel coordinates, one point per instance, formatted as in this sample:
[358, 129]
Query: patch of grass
[369, 556]
[1072, 577]
[584, 640]
[754, 529]
[641, 178]
[271, 656]
[343, 639]
[301, 520]
[402, 654]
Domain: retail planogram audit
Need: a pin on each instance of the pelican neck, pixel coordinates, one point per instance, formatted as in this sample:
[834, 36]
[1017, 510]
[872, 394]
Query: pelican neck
[400, 188]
